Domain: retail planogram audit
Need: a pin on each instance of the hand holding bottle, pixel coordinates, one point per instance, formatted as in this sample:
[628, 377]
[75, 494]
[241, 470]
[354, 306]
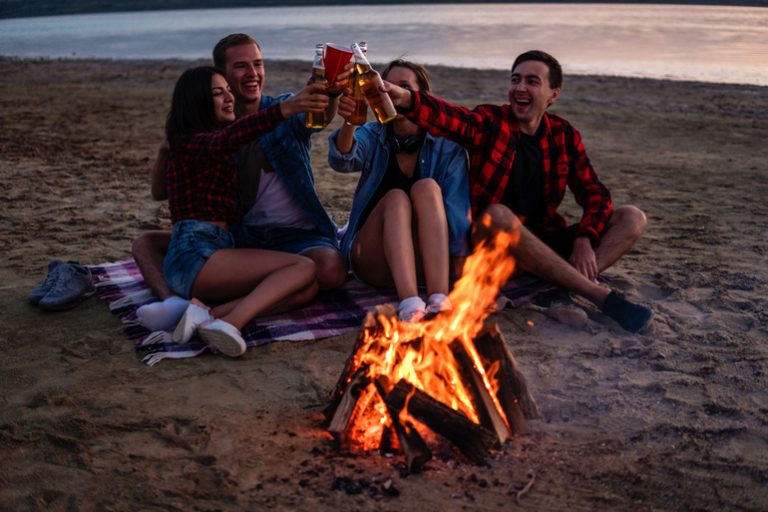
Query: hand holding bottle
[312, 98]
[401, 97]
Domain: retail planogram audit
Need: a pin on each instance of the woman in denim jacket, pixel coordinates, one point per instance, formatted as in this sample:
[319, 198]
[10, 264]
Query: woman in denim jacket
[410, 215]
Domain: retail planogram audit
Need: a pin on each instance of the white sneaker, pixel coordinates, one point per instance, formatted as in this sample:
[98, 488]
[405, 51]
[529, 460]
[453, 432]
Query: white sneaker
[411, 310]
[437, 303]
[193, 317]
[224, 337]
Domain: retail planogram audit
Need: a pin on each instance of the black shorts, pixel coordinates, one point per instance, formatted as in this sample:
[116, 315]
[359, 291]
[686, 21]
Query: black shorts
[559, 241]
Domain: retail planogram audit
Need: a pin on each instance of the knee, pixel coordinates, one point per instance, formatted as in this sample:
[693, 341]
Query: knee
[498, 217]
[495, 218]
[306, 267]
[150, 243]
[633, 218]
[396, 200]
[426, 189]
[330, 270]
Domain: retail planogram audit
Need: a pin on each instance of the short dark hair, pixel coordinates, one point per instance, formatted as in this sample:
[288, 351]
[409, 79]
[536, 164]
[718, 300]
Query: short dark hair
[220, 50]
[555, 71]
[422, 75]
[191, 105]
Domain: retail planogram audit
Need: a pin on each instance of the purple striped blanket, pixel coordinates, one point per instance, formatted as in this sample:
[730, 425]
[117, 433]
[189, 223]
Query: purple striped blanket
[121, 285]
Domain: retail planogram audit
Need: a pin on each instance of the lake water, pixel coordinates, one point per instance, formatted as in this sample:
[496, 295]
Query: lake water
[679, 42]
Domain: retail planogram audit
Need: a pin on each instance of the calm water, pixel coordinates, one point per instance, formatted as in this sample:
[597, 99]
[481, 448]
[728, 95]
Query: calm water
[704, 43]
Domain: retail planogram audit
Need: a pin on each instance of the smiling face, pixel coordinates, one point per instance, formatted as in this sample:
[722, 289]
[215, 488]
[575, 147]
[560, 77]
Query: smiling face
[530, 94]
[223, 100]
[245, 74]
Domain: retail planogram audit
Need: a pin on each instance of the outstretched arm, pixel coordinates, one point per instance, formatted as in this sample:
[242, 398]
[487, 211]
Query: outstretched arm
[442, 119]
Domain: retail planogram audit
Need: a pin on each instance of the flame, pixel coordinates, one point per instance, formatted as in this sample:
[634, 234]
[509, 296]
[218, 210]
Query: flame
[420, 353]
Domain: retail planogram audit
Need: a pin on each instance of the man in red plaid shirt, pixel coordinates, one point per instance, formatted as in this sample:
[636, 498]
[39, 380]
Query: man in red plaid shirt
[521, 160]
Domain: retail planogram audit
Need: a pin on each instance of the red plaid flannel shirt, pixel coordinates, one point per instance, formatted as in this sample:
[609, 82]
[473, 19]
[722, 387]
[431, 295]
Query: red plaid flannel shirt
[491, 133]
[201, 177]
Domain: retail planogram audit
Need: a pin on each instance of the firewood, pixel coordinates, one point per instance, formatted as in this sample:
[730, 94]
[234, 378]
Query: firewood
[490, 417]
[473, 440]
[513, 393]
[346, 405]
[413, 446]
[371, 323]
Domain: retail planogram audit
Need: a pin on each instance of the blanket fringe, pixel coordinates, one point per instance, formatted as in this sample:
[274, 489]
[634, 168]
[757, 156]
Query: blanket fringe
[134, 299]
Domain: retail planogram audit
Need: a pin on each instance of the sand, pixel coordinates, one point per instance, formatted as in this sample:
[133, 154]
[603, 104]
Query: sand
[673, 419]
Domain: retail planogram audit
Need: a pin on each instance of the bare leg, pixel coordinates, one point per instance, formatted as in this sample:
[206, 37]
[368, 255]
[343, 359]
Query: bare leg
[256, 279]
[295, 301]
[383, 252]
[432, 231]
[330, 268]
[626, 225]
[536, 257]
[149, 250]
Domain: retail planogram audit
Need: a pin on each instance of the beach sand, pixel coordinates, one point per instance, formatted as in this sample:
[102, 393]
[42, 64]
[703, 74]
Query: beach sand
[673, 419]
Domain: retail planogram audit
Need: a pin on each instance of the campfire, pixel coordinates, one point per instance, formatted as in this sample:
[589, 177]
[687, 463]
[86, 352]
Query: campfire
[451, 376]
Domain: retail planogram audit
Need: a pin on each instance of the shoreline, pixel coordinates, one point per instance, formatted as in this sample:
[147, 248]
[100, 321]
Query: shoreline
[300, 64]
[672, 419]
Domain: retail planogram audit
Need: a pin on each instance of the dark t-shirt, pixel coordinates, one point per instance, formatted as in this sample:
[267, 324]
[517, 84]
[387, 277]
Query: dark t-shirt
[524, 194]
[393, 178]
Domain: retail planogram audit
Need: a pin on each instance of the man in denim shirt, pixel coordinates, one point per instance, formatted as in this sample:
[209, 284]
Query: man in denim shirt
[280, 207]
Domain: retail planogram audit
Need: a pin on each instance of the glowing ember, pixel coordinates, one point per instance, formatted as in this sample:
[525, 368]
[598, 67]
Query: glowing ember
[422, 353]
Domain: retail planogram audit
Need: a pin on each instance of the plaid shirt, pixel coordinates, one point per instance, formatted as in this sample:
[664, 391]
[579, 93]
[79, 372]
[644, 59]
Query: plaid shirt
[202, 176]
[491, 133]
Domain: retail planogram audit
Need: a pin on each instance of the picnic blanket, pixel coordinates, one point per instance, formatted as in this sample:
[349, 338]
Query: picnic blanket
[331, 313]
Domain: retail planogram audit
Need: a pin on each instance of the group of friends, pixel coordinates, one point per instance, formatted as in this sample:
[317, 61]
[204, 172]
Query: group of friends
[251, 235]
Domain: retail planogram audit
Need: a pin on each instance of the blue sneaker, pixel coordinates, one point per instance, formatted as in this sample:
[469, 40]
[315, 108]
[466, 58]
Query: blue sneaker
[72, 284]
[41, 290]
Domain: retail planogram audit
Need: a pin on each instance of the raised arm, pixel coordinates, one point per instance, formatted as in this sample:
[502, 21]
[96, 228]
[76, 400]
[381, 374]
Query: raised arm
[442, 119]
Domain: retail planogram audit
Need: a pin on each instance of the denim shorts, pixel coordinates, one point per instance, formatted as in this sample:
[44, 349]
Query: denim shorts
[292, 240]
[192, 243]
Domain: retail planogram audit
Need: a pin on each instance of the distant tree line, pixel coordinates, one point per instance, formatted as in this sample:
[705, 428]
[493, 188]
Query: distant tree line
[29, 8]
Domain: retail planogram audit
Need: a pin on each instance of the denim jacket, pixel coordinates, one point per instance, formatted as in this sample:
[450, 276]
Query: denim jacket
[288, 150]
[439, 159]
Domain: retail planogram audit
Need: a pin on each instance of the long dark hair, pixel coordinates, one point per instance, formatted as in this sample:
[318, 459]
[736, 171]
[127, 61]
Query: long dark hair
[191, 105]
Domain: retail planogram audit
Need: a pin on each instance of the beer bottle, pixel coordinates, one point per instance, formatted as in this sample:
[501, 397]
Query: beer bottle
[370, 81]
[317, 119]
[360, 114]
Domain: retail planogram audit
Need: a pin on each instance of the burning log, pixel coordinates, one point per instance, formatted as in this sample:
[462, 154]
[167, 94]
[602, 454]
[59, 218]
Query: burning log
[482, 400]
[470, 438]
[413, 446]
[513, 395]
[346, 404]
[371, 324]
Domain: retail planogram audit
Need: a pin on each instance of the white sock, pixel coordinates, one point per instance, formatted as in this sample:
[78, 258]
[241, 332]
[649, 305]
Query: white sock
[411, 309]
[162, 315]
[437, 303]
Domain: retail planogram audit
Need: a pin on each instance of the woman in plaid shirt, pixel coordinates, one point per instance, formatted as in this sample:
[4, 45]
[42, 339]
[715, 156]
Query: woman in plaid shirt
[201, 178]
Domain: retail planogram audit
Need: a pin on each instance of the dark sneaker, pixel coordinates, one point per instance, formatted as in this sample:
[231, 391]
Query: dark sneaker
[73, 284]
[41, 290]
[632, 317]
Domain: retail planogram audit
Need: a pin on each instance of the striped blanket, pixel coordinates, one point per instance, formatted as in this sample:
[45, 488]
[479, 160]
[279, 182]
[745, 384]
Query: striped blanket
[121, 285]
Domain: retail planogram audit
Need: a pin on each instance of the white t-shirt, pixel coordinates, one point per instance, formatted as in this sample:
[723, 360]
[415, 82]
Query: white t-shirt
[275, 207]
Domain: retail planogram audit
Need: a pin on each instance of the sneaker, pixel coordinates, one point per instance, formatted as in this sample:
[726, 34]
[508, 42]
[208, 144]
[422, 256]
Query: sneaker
[41, 290]
[72, 284]
[411, 310]
[224, 337]
[632, 317]
[437, 303]
[193, 317]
